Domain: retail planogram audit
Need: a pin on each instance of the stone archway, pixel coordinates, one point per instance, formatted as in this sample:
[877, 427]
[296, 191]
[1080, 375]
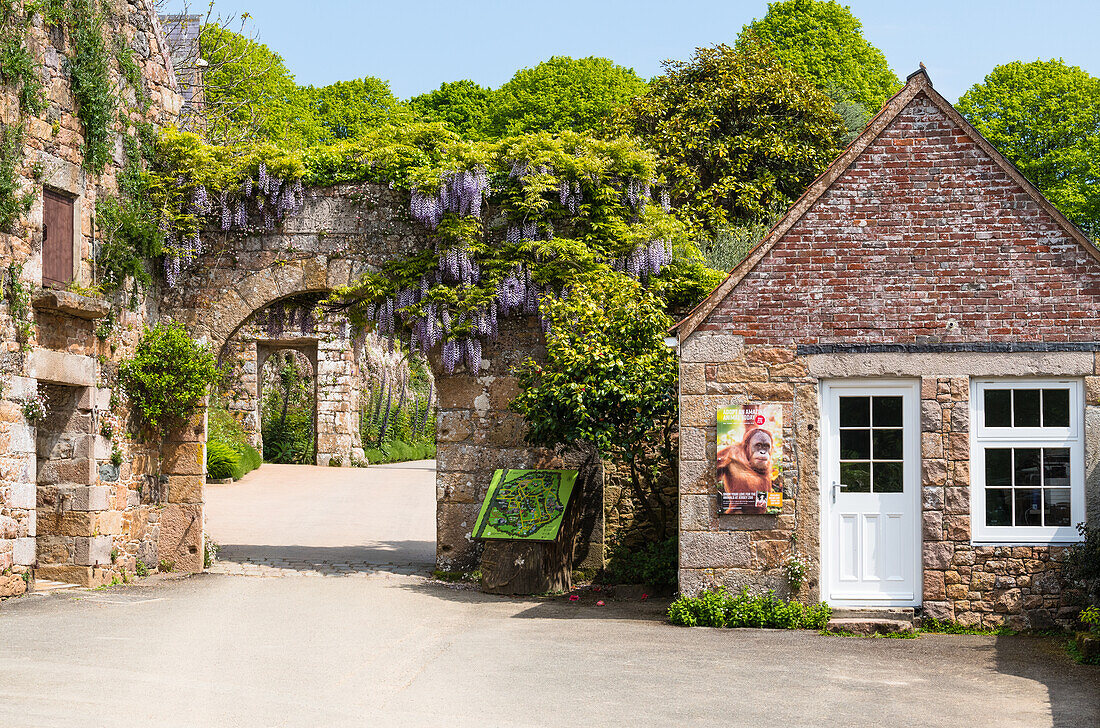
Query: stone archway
[342, 232]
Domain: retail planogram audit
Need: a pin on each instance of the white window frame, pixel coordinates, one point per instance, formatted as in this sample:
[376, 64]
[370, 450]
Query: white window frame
[1071, 437]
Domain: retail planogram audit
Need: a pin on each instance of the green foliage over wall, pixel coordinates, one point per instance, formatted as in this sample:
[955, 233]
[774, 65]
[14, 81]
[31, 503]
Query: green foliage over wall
[823, 41]
[713, 122]
[167, 376]
[562, 94]
[1045, 117]
[89, 67]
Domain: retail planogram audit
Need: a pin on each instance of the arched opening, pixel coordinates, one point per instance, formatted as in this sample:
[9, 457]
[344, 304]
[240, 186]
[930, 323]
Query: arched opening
[321, 400]
[288, 404]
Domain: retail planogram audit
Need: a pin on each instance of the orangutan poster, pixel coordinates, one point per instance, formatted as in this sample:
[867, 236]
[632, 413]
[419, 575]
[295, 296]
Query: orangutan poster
[750, 458]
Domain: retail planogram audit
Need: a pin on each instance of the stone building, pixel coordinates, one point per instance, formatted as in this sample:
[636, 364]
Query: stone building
[926, 319]
[76, 501]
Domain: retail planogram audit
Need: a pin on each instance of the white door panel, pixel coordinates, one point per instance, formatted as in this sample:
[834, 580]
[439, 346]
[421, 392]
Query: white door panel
[870, 494]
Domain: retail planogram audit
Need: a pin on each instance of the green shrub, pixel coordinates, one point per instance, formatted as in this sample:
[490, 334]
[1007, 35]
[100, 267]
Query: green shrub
[1082, 565]
[250, 457]
[222, 461]
[168, 375]
[718, 608]
[399, 451]
[651, 563]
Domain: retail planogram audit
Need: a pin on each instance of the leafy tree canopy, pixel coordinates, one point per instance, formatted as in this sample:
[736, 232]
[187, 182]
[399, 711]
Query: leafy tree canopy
[737, 133]
[249, 93]
[346, 109]
[562, 94]
[1045, 117]
[464, 105]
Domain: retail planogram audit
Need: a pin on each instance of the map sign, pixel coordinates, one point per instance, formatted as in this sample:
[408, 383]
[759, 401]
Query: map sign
[525, 505]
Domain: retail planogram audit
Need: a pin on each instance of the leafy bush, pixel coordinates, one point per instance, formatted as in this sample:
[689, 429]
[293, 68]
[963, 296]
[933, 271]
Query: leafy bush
[224, 430]
[651, 563]
[168, 375]
[398, 451]
[1082, 565]
[718, 608]
[222, 461]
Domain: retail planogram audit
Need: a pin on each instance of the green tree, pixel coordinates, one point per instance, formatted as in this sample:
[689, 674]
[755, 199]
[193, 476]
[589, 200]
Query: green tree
[249, 94]
[562, 93]
[610, 381]
[824, 42]
[464, 105]
[737, 133]
[1045, 117]
[346, 109]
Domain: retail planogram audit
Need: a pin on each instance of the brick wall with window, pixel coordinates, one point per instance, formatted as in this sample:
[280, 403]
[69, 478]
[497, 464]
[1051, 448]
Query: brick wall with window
[921, 256]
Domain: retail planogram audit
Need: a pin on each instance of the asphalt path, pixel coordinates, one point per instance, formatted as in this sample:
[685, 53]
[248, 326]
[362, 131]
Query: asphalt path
[376, 646]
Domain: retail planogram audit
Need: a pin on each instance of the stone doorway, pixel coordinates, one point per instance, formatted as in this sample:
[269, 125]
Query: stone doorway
[287, 395]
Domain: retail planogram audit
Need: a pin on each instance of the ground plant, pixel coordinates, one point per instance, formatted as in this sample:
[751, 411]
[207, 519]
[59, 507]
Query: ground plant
[721, 608]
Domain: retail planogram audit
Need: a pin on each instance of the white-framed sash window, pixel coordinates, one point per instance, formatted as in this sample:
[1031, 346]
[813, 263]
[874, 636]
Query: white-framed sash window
[1027, 461]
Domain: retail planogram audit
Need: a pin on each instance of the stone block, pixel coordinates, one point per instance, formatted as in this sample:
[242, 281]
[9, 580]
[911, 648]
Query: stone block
[693, 443]
[935, 472]
[90, 498]
[932, 526]
[54, 549]
[958, 446]
[502, 390]
[931, 445]
[92, 550]
[738, 371]
[715, 549]
[698, 477]
[24, 551]
[185, 488]
[698, 513]
[21, 438]
[184, 458]
[957, 500]
[770, 554]
[931, 416]
[88, 576]
[180, 538]
[707, 346]
[937, 555]
[958, 527]
[934, 587]
[456, 549]
[22, 388]
[693, 378]
[22, 495]
[58, 367]
[459, 392]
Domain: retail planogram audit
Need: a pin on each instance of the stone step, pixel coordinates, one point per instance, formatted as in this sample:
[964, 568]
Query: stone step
[865, 626]
[42, 586]
[907, 613]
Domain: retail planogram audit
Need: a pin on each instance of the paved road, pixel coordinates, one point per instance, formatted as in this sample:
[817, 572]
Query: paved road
[378, 647]
[325, 521]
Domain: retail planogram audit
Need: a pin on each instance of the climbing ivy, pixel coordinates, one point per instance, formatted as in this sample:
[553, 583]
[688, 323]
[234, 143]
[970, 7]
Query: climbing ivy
[18, 67]
[89, 67]
[18, 296]
[14, 201]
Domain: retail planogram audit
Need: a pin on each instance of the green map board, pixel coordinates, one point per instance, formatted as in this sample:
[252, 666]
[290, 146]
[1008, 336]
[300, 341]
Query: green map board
[525, 505]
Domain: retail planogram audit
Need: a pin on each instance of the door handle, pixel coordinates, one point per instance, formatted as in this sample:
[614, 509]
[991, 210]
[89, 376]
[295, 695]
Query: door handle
[835, 487]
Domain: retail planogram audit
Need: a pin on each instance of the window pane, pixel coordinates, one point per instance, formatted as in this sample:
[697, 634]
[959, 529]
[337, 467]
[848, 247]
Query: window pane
[855, 444]
[888, 477]
[1029, 506]
[1025, 408]
[998, 467]
[1055, 408]
[1027, 467]
[855, 477]
[998, 408]
[998, 507]
[855, 411]
[1056, 466]
[887, 411]
[1056, 507]
[887, 445]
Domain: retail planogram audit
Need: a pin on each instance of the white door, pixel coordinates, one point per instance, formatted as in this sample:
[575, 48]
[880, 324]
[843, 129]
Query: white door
[871, 494]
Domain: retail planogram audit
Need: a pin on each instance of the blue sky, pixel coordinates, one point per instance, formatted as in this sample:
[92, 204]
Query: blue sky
[418, 45]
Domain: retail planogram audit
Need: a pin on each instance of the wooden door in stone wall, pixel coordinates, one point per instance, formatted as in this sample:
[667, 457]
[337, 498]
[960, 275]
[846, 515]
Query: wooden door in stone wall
[57, 240]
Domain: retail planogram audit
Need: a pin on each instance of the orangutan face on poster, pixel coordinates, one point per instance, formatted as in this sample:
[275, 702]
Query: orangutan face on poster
[750, 455]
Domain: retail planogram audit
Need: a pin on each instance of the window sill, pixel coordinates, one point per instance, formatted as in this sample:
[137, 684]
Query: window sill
[70, 303]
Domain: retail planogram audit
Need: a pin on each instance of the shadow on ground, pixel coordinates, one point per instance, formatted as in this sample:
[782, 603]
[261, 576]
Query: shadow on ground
[1044, 660]
[401, 557]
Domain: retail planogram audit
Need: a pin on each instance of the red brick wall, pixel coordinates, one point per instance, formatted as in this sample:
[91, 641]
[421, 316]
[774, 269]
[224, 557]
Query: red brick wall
[923, 230]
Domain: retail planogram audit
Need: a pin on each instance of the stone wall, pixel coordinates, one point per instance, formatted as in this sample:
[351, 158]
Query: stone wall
[75, 342]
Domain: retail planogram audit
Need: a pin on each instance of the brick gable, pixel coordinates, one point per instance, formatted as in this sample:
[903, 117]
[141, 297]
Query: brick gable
[923, 238]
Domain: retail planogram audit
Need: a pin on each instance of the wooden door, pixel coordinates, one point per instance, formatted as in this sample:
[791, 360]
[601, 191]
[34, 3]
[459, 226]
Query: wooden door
[57, 240]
